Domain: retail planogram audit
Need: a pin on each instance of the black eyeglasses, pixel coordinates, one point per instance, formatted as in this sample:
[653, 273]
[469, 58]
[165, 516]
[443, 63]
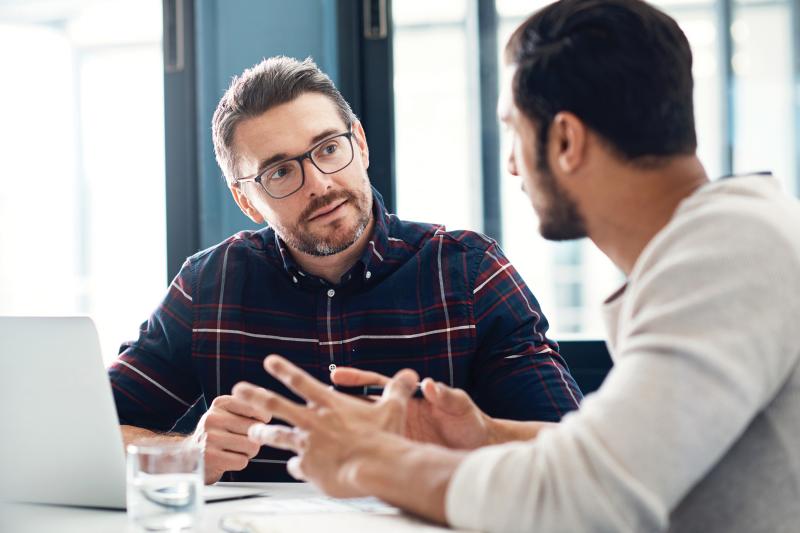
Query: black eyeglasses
[288, 176]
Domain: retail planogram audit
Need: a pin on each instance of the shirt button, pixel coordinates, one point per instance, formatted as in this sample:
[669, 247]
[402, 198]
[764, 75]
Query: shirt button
[368, 274]
[331, 292]
[331, 367]
[294, 278]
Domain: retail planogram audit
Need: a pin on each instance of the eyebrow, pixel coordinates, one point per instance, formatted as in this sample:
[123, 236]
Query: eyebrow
[283, 155]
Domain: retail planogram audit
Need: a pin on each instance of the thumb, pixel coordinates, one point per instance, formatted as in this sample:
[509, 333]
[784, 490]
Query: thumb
[451, 401]
[295, 468]
[401, 386]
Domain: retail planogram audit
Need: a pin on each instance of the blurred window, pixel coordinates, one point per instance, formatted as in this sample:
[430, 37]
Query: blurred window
[437, 142]
[82, 172]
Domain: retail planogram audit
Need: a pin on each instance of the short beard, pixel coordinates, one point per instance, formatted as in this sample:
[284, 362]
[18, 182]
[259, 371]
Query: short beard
[322, 248]
[560, 219]
[300, 239]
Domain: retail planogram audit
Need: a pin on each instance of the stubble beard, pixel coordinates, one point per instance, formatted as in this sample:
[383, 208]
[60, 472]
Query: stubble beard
[342, 233]
[559, 219]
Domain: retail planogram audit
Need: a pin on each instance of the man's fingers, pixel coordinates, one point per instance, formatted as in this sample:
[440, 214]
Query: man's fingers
[240, 424]
[428, 387]
[231, 442]
[222, 460]
[401, 386]
[450, 400]
[294, 469]
[353, 377]
[280, 437]
[238, 407]
[297, 380]
[270, 402]
[220, 419]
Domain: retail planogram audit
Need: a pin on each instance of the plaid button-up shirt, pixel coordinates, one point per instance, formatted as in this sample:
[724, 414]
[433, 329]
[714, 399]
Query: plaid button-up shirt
[447, 304]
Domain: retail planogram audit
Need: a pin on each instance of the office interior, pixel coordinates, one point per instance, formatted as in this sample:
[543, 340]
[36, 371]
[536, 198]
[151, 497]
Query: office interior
[109, 104]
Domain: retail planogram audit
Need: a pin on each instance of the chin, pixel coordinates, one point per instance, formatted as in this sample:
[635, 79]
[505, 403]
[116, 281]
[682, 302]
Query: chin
[327, 248]
[563, 231]
[337, 242]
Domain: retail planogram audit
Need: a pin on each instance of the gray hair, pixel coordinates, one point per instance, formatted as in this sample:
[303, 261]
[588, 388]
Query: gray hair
[272, 82]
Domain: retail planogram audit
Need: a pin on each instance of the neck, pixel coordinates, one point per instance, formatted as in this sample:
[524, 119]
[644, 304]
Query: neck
[332, 267]
[635, 204]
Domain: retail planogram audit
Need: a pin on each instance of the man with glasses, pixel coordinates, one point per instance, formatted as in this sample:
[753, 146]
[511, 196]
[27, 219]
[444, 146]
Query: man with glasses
[333, 280]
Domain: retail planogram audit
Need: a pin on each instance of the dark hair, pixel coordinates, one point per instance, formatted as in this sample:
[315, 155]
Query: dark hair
[622, 66]
[272, 82]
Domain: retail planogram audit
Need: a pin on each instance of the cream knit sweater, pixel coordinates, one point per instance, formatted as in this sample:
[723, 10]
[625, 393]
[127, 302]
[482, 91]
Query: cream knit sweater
[697, 427]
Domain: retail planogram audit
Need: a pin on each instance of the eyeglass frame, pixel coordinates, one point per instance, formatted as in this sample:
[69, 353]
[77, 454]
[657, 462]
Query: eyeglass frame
[300, 158]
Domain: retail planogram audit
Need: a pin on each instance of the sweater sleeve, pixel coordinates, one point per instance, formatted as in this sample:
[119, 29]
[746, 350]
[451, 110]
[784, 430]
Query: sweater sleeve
[704, 344]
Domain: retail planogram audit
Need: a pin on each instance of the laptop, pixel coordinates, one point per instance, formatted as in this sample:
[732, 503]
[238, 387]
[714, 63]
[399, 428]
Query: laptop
[60, 441]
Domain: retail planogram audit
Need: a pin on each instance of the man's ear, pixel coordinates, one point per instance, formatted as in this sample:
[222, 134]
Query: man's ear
[568, 136]
[360, 139]
[244, 203]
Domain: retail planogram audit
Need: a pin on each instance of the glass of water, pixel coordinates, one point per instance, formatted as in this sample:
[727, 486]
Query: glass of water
[165, 484]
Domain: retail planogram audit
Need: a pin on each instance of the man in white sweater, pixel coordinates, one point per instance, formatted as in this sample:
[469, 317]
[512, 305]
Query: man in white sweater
[696, 427]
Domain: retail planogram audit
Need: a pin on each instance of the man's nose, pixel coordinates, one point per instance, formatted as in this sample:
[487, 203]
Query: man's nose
[511, 164]
[317, 182]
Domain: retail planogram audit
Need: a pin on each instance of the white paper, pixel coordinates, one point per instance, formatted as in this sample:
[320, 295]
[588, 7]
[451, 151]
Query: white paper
[316, 505]
[322, 514]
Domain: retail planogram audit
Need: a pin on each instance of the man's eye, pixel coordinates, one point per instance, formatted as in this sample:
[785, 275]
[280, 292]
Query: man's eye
[330, 148]
[280, 173]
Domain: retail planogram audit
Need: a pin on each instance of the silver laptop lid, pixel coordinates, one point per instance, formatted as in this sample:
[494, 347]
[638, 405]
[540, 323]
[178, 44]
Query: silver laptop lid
[61, 438]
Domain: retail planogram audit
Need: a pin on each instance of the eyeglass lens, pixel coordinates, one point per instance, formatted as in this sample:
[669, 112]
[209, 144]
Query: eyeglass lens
[330, 156]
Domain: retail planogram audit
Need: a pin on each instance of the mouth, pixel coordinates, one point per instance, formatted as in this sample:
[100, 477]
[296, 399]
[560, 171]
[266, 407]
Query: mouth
[329, 211]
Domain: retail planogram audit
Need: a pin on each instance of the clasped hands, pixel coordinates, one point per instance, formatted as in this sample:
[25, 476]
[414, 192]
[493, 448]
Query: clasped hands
[336, 435]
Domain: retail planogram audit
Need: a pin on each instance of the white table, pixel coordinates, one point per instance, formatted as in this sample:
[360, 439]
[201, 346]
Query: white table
[31, 518]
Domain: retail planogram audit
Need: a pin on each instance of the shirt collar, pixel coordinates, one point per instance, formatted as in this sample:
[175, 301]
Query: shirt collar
[289, 264]
[376, 250]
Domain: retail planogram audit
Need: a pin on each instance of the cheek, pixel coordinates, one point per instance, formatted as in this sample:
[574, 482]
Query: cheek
[524, 163]
[354, 178]
[526, 158]
[277, 212]
[523, 159]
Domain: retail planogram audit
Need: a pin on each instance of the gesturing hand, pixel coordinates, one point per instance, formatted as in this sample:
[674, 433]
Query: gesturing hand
[331, 428]
[224, 429]
[446, 416]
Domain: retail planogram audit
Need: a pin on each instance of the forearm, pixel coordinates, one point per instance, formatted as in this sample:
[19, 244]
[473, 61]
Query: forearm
[407, 474]
[133, 434]
[514, 430]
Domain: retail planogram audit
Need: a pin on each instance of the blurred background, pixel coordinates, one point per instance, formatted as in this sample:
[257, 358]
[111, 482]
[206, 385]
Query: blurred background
[107, 174]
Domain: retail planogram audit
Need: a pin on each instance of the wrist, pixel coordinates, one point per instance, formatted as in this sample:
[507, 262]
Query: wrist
[410, 475]
[503, 431]
[495, 433]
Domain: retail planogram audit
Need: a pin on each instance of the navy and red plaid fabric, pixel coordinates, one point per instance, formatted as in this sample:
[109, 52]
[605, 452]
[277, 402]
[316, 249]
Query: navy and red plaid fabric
[447, 304]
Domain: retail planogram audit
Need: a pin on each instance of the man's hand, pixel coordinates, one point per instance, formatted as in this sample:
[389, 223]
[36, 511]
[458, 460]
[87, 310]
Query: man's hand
[224, 428]
[332, 429]
[446, 416]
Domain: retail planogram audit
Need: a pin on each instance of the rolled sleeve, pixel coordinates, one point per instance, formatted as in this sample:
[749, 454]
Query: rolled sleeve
[522, 376]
